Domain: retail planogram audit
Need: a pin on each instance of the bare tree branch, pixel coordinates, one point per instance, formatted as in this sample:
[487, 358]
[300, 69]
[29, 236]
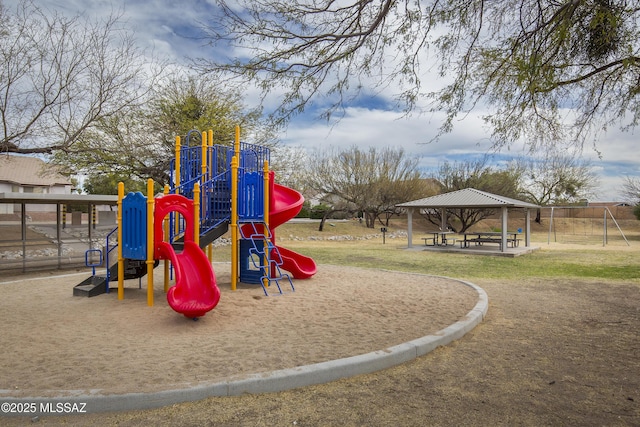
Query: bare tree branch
[527, 62]
[62, 75]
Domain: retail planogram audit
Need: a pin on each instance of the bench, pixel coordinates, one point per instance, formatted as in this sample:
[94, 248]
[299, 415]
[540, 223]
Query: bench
[451, 242]
[447, 242]
[488, 240]
[480, 240]
[426, 241]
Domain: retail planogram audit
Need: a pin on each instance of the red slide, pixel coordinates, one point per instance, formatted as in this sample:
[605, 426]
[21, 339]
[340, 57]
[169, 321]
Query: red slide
[285, 203]
[195, 292]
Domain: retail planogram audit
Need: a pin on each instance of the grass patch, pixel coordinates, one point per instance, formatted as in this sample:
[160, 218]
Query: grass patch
[591, 262]
[542, 263]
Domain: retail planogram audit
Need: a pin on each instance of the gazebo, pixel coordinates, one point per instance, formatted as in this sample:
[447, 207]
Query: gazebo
[474, 199]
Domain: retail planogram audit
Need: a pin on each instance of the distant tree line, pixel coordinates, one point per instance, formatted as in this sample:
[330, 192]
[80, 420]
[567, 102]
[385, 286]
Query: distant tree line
[372, 182]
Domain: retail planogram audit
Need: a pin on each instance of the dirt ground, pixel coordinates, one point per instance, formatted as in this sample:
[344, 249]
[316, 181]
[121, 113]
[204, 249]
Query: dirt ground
[548, 353]
[55, 344]
[562, 352]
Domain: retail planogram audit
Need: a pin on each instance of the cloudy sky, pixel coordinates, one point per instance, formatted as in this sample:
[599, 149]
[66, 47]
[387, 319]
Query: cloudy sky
[165, 27]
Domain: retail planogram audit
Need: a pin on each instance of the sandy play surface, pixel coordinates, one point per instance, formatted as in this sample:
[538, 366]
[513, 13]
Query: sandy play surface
[56, 344]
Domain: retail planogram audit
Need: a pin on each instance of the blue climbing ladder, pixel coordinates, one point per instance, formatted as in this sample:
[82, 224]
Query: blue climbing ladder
[261, 259]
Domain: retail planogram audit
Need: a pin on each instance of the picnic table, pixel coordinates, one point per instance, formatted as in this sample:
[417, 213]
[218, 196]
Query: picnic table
[480, 237]
[439, 239]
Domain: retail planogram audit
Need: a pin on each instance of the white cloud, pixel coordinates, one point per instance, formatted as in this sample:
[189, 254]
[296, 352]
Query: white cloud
[377, 128]
[162, 26]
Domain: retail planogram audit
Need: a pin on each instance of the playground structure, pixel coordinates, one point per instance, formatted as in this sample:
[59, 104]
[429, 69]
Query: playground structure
[214, 189]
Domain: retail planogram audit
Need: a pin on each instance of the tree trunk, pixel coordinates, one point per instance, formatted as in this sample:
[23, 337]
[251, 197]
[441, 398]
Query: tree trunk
[370, 220]
[321, 226]
[324, 218]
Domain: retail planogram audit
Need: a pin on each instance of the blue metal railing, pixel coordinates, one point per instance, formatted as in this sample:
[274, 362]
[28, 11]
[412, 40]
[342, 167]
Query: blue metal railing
[215, 189]
[252, 157]
[107, 251]
[215, 206]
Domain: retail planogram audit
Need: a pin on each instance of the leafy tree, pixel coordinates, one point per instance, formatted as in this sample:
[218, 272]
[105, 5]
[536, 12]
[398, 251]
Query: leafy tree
[108, 184]
[62, 76]
[631, 189]
[287, 163]
[556, 179]
[371, 181]
[320, 212]
[141, 144]
[471, 174]
[547, 70]
[480, 175]
[184, 101]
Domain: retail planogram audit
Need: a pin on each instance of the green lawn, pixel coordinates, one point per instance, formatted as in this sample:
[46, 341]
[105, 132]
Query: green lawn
[588, 263]
[615, 262]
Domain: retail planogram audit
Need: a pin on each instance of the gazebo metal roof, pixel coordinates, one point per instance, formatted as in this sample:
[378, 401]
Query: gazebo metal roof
[467, 198]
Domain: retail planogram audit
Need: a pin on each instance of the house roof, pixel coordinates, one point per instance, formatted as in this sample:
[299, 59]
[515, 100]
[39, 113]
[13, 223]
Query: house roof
[467, 198]
[23, 170]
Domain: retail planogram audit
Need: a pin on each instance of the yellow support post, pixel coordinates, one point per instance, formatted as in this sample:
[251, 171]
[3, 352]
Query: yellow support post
[236, 143]
[211, 167]
[210, 141]
[120, 243]
[196, 213]
[166, 234]
[150, 254]
[177, 177]
[177, 171]
[234, 222]
[203, 157]
[198, 198]
[234, 210]
[265, 215]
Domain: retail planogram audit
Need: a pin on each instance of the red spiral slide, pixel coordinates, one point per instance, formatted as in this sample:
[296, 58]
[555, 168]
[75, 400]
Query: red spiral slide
[285, 203]
[195, 292]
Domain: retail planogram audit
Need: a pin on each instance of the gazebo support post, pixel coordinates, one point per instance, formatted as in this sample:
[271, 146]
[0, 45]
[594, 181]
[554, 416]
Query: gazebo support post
[410, 227]
[503, 240]
[527, 230]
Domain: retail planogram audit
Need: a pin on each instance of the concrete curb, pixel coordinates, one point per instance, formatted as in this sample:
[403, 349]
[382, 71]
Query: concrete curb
[275, 381]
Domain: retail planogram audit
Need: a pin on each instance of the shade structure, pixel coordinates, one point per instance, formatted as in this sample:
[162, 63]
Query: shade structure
[472, 199]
